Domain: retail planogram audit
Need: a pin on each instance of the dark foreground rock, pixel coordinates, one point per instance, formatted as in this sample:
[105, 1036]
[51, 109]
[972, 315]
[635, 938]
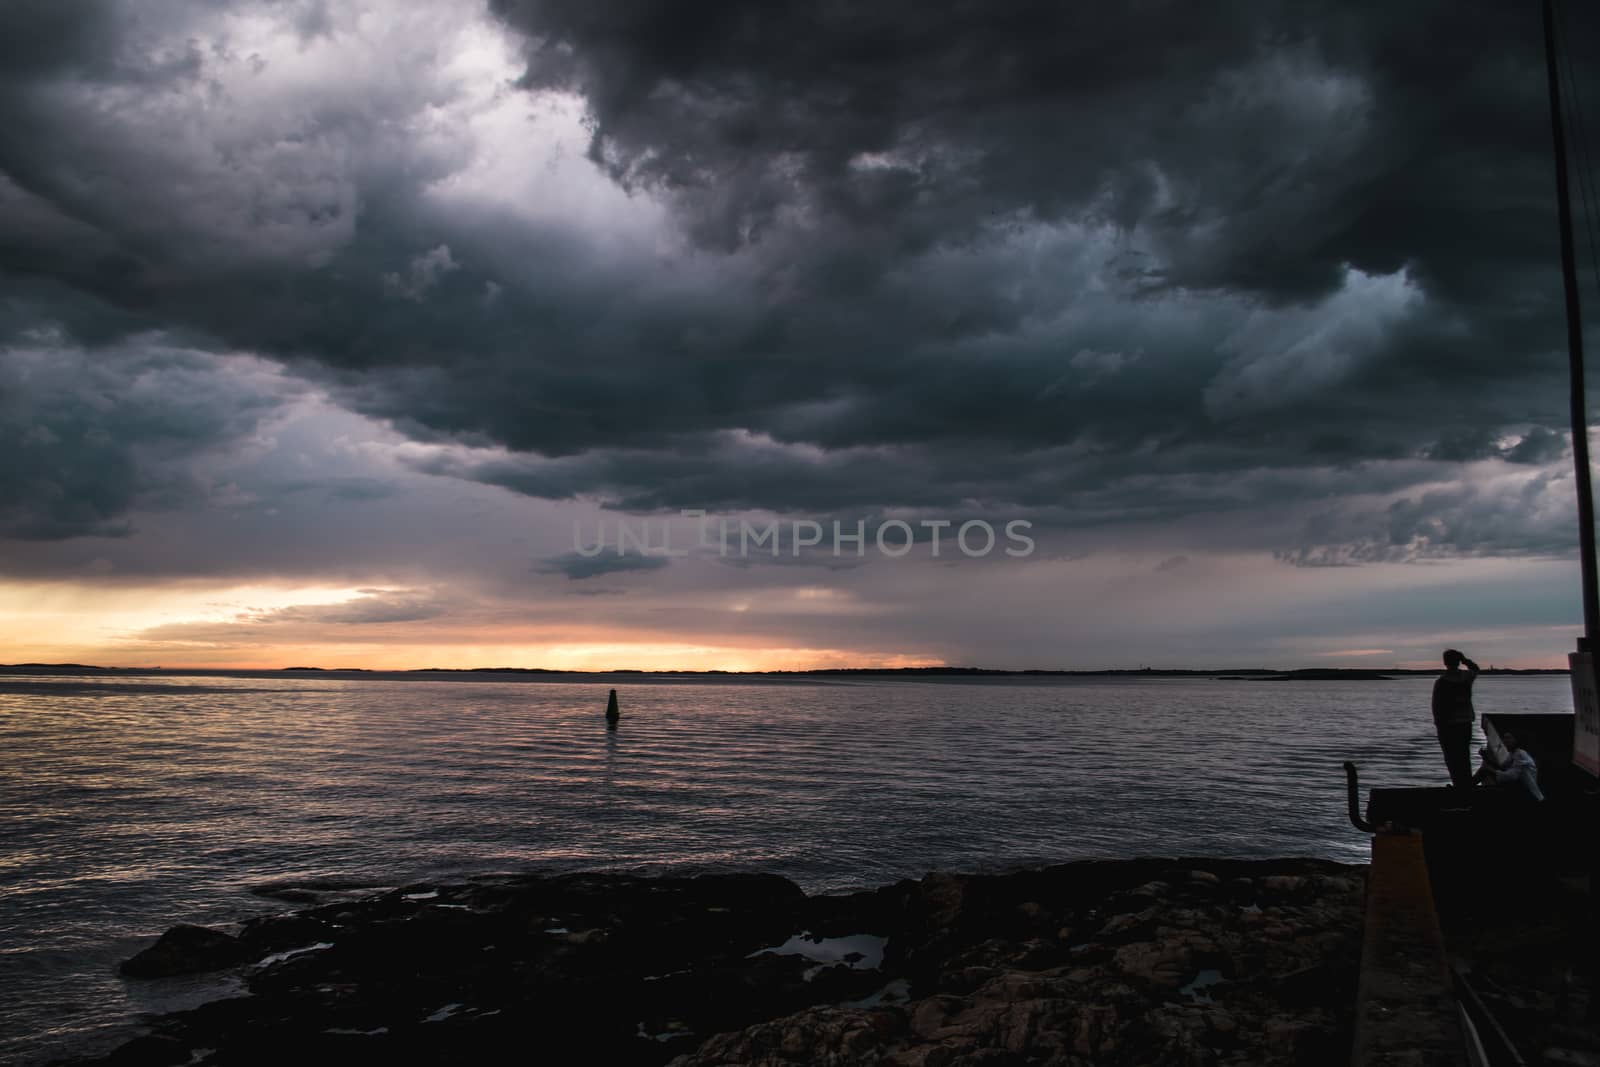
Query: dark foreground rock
[1136, 962]
[186, 950]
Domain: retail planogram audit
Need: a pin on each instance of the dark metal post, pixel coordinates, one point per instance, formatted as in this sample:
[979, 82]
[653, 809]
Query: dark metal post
[1569, 273]
[1352, 784]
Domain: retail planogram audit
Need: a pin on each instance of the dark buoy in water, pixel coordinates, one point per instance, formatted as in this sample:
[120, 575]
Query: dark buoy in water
[612, 713]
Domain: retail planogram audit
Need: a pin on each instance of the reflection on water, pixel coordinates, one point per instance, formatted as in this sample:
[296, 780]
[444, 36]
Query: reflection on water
[138, 805]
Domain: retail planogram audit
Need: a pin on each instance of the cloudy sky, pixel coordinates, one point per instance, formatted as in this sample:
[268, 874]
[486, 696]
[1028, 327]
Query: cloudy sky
[343, 333]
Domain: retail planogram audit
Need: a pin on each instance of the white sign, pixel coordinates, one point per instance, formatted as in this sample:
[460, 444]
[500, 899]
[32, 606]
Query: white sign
[1585, 713]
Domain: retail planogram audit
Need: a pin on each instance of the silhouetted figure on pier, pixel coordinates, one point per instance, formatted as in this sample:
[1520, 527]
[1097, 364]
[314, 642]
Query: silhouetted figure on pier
[1453, 715]
[613, 713]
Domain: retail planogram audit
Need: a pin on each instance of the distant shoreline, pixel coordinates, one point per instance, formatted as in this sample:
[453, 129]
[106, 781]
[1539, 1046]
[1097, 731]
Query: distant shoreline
[933, 673]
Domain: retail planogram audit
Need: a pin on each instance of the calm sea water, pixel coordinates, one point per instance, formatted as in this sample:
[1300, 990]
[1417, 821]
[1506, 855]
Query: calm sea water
[132, 805]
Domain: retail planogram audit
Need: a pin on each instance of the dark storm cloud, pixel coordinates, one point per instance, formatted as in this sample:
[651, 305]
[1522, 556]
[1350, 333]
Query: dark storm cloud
[578, 567]
[1097, 486]
[1109, 263]
[139, 188]
[88, 439]
[1268, 144]
[1539, 446]
[917, 123]
[868, 169]
[41, 37]
[1529, 517]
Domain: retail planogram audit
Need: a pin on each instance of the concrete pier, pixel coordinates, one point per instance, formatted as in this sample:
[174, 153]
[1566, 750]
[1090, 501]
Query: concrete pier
[1405, 1009]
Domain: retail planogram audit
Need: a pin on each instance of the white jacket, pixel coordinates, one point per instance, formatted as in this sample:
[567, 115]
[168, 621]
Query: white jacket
[1521, 768]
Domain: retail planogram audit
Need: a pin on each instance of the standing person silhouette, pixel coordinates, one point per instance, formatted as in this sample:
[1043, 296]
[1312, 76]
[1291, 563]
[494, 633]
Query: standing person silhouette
[1453, 715]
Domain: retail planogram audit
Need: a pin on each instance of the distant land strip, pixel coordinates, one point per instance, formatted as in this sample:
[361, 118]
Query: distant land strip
[1229, 673]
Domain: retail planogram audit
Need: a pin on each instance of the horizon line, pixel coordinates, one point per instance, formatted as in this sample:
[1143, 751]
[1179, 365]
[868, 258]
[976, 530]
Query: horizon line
[931, 670]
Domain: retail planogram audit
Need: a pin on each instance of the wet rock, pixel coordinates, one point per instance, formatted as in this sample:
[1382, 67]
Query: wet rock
[1240, 890]
[1053, 966]
[1039, 954]
[1287, 1037]
[822, 1036]
[1095, 1034]
[1129, 926]
[282, 933]
[967, 979]
[150, 1051]
[943, 896]
[1035, 915]
[930, 1017]
[185, 949]
[1288, 886]
[1167, 966]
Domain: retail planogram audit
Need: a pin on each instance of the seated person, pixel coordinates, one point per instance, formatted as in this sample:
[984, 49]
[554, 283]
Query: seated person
[1518, 768]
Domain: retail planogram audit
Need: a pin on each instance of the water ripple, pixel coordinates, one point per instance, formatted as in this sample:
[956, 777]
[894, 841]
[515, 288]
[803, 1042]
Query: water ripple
[139, 804]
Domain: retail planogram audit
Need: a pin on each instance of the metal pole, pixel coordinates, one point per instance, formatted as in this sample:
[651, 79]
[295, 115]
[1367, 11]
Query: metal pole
[1569, 274]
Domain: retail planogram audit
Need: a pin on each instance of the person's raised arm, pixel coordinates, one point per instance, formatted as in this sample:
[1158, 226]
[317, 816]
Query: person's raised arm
[1471, 666]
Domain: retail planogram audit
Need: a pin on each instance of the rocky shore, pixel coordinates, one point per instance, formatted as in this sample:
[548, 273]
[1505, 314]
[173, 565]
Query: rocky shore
[1116, 962]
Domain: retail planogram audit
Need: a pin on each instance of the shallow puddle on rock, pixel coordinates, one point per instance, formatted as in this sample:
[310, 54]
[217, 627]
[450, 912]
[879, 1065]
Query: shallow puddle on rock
[279, 957]
[896, 992]
[665, 1035]
[1202, 982]
[860, 952]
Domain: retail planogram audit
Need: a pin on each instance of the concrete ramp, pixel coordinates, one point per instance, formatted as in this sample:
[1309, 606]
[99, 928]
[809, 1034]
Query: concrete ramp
[1405, 1009]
